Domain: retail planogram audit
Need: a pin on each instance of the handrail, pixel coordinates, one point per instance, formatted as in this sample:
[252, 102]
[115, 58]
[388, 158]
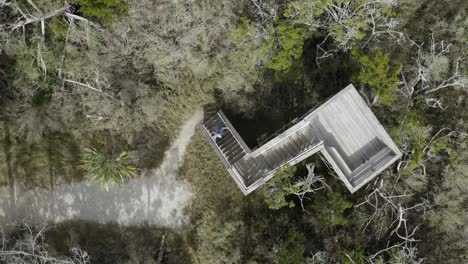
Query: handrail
[245, 151]
[312, 147]
[302, 153]
[280, 140]
[292, 122]
[216, 148]
[279, 131]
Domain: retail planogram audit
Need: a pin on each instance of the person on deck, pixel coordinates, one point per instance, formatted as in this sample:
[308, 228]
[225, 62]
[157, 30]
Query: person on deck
[217, 133]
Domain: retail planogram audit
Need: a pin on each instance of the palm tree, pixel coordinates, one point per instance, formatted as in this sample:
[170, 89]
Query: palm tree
[105, 169]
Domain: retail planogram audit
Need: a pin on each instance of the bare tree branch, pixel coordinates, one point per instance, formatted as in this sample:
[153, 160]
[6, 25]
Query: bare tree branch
[426, 76]
[73, 17]
[31, 248]
[83, 85]
[306, 185]
[383, 203]
[28, 19]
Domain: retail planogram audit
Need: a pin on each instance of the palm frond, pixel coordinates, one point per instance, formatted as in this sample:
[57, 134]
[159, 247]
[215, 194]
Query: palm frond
[105, 169]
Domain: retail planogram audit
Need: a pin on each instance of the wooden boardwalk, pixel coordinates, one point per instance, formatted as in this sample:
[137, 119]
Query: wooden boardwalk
[343, 129]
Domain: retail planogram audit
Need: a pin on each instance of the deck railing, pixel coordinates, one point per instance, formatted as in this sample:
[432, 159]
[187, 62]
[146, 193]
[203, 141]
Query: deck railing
[291, 123]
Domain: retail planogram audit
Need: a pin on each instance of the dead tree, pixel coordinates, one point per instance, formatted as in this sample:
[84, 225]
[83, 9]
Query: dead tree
[32, 14]
[428, 154]
[28, 246]
[305, 185]
[266, 11]
[406, 254]
[385, 203]
[27, 17]
[382, 204]
[424, 77]
[162, 247]
[351, 21]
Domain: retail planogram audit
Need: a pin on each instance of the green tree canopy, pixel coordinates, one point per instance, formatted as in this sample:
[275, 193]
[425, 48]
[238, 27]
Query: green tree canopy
[276, 49]
[276, 189]
[376, 73]
[252, 48]
[306, 12]
[354, 257]
[292, 250]
[288, 47]
[331, 208]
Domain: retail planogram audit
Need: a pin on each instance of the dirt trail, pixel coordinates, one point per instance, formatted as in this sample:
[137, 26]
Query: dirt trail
[157, 198]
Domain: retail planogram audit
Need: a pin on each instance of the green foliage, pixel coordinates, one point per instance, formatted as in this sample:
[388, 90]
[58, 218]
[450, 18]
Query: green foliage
[25, 70]
[238, 34]
[276, 51]
[345, 22]
[102, 10]
[306, 12]
[400, 256]
[354, 257]
[106, 170]
[331, 208]
[251, 49]
[41, 98]
[276, 189]
[287, 48]
[58, 27]
[397, 255]
[413, 132]
[439, 145]
[352, 28]
[291, 250]
[376, 73]
[176, 57]
[351, 21]
[454, 157]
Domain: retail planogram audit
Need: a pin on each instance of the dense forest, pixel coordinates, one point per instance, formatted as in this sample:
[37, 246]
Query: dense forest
[97, 91]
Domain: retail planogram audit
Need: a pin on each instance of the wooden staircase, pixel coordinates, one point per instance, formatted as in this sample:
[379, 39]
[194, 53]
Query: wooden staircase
[230, 145]
[290, 147]
[378, 160]
[251, 169]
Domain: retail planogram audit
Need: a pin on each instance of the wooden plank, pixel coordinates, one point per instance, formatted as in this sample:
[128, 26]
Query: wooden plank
[344, 121]
[234, 132]
[206, 134]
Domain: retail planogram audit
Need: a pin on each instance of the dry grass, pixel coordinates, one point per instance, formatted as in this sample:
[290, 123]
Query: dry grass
[215, 235]
[213, 187]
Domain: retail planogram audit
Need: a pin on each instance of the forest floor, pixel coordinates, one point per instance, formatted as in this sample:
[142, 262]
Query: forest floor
[155, 198]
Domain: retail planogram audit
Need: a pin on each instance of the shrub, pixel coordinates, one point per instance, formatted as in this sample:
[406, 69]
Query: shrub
[376, 73]
[106, 170]
[103, 10]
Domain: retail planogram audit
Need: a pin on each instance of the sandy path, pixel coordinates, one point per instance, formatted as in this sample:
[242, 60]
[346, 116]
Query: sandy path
[158, 198]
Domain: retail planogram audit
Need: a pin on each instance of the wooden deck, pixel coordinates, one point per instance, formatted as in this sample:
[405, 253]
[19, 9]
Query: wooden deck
[344, 129]
[290, 150]
[355, 141]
